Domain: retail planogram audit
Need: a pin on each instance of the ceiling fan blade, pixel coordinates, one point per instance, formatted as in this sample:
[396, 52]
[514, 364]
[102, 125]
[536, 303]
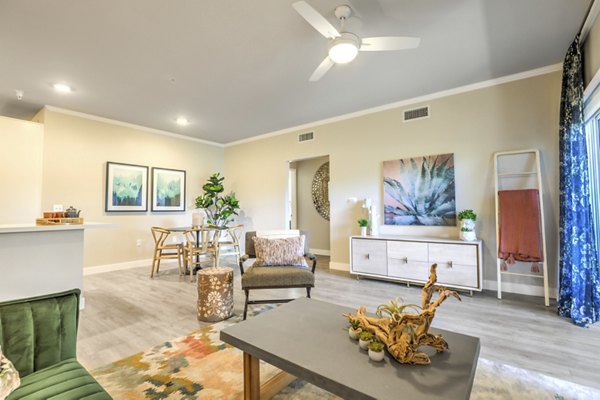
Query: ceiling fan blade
[321, 69]
[384, 43]
[316, 20]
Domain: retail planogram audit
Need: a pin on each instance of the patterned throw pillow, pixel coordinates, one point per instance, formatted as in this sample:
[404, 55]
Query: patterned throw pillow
[286, 251]
[9, 377]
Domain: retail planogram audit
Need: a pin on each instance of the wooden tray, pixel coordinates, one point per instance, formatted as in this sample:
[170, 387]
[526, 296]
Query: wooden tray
[58, 221]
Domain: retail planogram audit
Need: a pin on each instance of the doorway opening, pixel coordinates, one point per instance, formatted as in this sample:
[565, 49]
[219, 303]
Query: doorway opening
[308, 201]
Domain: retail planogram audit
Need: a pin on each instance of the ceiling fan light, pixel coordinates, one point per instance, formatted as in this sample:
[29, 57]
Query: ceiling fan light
[343, 52]
[344, 48]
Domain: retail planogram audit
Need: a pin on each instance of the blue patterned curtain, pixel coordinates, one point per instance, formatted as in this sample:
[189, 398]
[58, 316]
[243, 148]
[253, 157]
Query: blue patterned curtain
[579, 291]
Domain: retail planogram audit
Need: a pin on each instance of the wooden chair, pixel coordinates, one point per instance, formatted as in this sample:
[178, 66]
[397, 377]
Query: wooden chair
[229, 242]
[164, 251]
[275, 277]
[199, 248]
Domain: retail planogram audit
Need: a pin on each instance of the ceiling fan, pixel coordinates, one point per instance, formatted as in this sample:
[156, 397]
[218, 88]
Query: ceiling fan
[344, 46]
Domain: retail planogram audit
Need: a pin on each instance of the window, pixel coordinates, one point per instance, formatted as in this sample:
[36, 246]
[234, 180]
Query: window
[592, 130]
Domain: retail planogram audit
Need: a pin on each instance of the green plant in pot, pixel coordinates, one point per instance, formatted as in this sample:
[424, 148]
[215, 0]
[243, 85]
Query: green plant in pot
[467, 220]
[363, 223]
[364, 339]
[467, 214]
[354, 329]
[219, 209]
[376, 350]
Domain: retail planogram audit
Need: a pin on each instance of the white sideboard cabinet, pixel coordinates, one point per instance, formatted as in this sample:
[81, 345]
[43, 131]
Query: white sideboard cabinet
[408, 259]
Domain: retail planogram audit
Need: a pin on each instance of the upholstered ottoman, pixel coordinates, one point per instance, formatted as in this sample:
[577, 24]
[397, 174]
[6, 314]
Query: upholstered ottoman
[215, 294]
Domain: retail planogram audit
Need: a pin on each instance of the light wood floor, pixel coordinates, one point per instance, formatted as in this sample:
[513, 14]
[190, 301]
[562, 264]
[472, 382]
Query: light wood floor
[127, 312]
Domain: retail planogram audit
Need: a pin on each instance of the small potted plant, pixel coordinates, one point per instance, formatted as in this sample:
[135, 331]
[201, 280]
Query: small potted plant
[376, 350]
[354, 329]
[364, 339]
[467, 220]
[363, 223]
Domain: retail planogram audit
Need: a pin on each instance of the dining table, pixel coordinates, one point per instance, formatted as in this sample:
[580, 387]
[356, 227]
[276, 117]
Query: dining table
[198, 229]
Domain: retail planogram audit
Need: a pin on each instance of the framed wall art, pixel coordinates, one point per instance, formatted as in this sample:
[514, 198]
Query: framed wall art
[419, 191]
[168, 189]
[126, 187]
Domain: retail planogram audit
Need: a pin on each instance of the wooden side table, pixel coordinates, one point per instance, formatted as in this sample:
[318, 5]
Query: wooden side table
[215, 294]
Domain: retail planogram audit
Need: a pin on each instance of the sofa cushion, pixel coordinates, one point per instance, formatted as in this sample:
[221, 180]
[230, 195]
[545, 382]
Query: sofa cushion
[276, 252]
[67, 380]
[38, 332]
[277, 277]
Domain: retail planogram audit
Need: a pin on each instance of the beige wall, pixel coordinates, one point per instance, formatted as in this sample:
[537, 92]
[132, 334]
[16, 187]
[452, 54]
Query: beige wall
[517, 115]
[21, 144]
[309, 219]
[591, 52]
[74, 171]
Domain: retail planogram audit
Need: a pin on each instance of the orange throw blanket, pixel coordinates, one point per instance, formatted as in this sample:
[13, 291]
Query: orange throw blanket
[520, 230]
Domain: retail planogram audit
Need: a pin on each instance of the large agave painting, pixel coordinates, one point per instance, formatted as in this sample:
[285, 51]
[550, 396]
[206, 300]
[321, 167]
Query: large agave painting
[419, 191]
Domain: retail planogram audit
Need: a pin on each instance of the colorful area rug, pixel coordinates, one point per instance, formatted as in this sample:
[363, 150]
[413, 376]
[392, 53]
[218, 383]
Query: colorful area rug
[200, 366]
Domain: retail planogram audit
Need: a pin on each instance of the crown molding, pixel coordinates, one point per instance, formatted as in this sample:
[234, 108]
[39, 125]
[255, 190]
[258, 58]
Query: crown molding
[128, 125]
[445, 93]
[590, 18]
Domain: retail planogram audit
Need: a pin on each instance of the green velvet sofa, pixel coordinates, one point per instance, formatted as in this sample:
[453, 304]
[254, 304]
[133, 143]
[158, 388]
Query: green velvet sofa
[39, 336]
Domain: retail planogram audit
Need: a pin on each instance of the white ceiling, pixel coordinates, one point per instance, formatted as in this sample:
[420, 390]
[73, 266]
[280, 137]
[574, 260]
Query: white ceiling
[240, 68]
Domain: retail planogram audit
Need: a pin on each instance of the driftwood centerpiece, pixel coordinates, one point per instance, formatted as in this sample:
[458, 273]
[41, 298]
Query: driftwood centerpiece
[402, 331]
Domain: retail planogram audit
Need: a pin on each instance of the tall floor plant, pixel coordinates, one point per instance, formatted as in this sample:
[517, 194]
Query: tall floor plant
[220, 209]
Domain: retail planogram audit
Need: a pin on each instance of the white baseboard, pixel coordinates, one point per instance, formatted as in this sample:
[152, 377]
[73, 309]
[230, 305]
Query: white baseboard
[320, 252]
[339, 266]
[520, 288]
[509, 287]
[98, 269]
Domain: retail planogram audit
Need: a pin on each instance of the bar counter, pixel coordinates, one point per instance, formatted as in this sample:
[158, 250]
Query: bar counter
[36, 260]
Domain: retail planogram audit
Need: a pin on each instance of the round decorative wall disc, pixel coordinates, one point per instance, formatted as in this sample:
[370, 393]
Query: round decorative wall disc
[320, 190]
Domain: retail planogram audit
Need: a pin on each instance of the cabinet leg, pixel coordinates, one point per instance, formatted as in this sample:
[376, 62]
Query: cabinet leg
[471, 293]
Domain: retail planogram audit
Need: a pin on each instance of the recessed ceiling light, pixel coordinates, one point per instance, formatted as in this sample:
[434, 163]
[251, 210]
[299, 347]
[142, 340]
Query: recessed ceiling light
[182, 121]
[62, 88]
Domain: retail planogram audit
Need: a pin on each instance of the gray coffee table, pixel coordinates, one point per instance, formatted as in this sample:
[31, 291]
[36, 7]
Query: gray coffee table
[309, 339]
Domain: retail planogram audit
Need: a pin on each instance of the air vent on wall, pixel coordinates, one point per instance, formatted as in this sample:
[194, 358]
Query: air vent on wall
[306, 137]
[416, 113]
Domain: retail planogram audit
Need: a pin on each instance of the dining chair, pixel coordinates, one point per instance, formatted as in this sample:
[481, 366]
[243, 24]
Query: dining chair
[228, 243]
[199, 248]
[163, 250]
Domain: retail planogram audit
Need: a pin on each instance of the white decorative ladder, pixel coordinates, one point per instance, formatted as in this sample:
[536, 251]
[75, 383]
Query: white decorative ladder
[515, 170]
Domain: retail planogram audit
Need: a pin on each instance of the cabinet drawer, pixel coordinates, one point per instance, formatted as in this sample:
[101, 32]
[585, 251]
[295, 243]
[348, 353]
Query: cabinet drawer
[457, 275]
[369, 256]
[407, 252]
[411, 271]
[443, 253]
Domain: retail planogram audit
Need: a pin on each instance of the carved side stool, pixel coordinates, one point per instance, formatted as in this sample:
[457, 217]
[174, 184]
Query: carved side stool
[215, 294]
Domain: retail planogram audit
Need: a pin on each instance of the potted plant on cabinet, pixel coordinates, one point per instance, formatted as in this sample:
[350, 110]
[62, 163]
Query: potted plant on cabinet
[363, 223]
[354, 329]
[467, 220]
[364, 339]
[219, 209]
[376, 350]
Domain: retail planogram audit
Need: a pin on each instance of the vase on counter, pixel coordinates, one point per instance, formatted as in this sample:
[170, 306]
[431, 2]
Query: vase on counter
[467, 230]
[197, 218]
